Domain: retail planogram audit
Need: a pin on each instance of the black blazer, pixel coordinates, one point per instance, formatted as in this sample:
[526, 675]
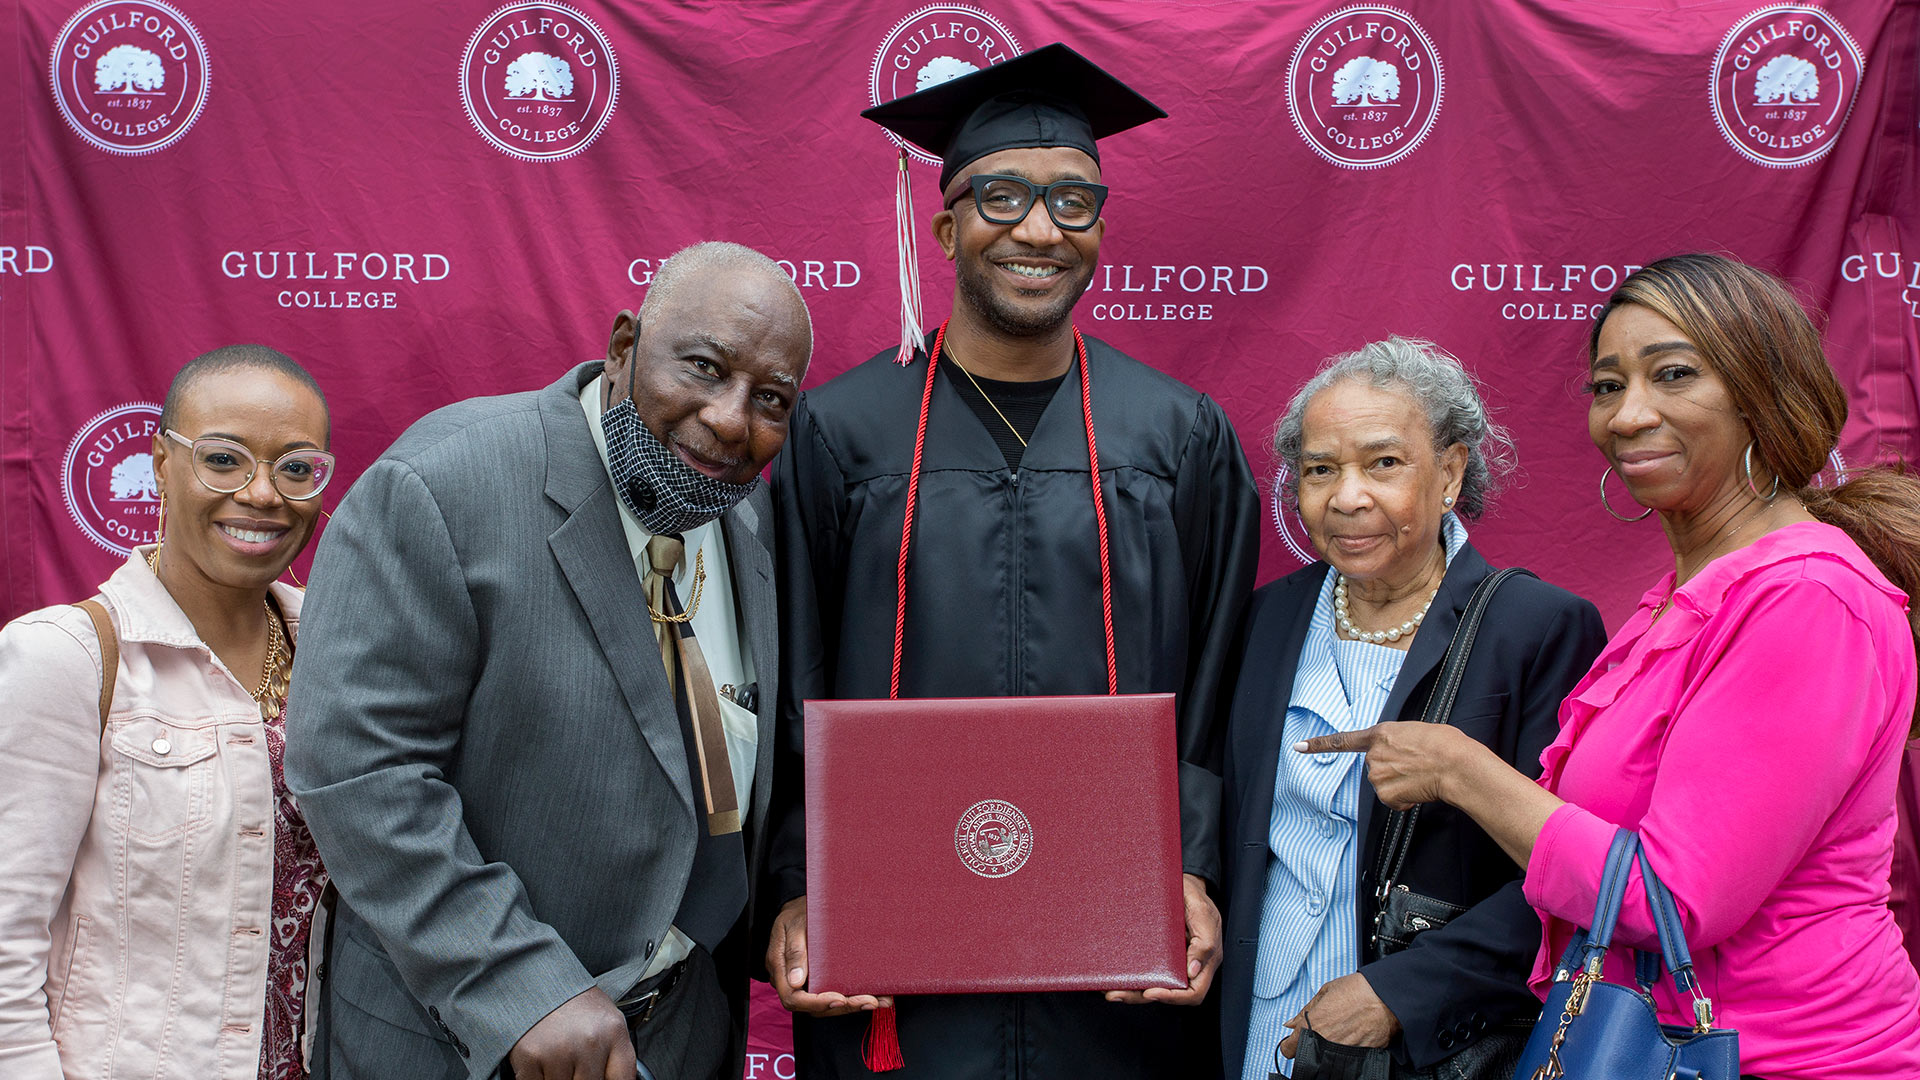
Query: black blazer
[1452, 984]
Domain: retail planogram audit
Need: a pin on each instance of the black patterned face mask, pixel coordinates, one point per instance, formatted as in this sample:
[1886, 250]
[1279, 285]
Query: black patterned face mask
[664, 492]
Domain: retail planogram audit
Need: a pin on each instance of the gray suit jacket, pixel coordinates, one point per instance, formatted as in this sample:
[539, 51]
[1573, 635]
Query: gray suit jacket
[483, 741]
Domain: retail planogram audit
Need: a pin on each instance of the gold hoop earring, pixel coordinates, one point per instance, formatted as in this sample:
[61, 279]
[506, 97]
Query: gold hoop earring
[159, 536]
[290, 572]
[1746, 466]
[1609, 506]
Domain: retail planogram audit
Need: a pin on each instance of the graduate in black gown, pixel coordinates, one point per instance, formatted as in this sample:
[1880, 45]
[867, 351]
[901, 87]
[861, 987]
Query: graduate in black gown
[1003, 583]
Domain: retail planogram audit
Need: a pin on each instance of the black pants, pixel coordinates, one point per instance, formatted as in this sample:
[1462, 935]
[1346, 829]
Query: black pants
[687, 1030]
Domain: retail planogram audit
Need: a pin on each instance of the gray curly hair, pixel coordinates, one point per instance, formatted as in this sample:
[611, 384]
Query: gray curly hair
[1437, 382]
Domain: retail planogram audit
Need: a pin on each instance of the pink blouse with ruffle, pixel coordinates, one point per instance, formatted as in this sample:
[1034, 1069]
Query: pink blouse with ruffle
[1752, 736]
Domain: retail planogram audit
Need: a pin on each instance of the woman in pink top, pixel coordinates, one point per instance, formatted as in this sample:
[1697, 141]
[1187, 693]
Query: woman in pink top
[157, 882]
[1747, 721]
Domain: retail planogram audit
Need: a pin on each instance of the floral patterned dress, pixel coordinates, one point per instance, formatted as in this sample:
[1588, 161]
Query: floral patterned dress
[298, 880]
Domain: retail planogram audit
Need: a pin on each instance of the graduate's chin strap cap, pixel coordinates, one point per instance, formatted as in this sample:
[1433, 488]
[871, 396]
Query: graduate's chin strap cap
[1049, 97]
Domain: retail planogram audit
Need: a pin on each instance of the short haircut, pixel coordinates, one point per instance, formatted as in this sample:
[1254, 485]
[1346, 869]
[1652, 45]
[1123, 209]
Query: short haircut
[1443, 390]
[231, 358]
[719, 255]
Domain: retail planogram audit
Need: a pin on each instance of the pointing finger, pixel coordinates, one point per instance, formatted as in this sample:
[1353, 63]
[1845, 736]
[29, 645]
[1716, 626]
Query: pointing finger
[1339, 742]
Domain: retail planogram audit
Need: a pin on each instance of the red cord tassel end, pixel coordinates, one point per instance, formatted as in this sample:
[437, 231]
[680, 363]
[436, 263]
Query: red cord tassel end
[881, 1051]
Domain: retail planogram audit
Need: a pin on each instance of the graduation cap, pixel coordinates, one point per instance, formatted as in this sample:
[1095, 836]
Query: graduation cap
[1049, 97]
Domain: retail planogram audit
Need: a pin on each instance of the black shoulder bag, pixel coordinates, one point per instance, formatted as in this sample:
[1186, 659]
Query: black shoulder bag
[1400, 914]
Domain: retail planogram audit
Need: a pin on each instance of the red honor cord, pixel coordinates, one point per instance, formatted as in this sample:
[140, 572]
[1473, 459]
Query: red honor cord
[913, 497]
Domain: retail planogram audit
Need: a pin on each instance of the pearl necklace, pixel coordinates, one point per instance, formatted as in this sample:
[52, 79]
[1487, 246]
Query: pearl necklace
[1375, 637]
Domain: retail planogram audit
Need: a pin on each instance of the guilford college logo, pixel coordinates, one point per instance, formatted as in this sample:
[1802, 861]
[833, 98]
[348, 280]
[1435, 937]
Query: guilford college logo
[1784, 80]
[932, 45]
[107, 477]
[1364, 86]
[539, 81]
[993, 838]
[130, 78]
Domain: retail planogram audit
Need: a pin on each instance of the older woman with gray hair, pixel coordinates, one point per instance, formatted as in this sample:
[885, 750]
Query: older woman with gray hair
[1361, 942]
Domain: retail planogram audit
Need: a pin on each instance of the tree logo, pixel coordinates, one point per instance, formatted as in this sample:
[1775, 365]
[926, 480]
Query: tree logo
[1784, 80]
[132, 480]
[994, 839]
[541, 75]
[539, 80]
[1364, 86]
[107, 477]
[129, 69]
[1366, 81]
[129, 77]
[930, 46]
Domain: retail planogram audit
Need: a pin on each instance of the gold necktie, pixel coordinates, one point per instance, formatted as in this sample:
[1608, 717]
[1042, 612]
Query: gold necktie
[680, 653]
[663, 557]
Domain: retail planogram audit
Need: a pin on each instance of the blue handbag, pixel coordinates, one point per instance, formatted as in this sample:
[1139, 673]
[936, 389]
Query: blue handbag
[1596, 1030]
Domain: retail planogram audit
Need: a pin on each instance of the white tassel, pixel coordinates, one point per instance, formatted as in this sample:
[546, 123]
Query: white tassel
[912, 336]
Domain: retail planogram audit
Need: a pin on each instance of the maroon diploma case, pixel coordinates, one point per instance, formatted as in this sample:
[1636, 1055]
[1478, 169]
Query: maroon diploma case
[973, 845]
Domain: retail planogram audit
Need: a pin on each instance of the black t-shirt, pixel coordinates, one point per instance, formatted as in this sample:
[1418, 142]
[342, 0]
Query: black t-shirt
[1021, 403]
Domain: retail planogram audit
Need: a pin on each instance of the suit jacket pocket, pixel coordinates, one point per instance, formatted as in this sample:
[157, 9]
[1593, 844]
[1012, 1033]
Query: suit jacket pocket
[162, 774]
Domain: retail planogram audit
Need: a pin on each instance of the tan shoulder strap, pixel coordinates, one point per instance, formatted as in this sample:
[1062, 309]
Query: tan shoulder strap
[109, 653]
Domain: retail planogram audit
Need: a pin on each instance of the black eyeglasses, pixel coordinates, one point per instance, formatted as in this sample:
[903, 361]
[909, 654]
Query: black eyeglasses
[1074, 205]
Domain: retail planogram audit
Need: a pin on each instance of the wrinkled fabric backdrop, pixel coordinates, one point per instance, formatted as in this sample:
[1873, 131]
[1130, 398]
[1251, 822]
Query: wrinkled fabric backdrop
[432, 201]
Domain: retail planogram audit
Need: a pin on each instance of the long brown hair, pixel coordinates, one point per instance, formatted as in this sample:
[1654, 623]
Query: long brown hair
[1761, 343]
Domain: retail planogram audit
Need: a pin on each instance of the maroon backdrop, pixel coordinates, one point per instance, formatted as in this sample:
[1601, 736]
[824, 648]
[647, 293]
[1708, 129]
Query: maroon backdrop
[427, 202]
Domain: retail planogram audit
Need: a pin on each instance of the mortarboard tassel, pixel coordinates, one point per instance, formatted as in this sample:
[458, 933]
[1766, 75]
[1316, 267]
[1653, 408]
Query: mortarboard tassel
[881, 1051]
[911, 335]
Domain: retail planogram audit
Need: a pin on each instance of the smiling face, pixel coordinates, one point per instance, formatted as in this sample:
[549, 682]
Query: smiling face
[718, 370]
[245, 539]
[1022, 279]
[1371, 484]
[1661, 416]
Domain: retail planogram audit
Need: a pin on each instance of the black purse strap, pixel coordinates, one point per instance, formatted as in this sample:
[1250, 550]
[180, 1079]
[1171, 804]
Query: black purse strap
[1439, 710]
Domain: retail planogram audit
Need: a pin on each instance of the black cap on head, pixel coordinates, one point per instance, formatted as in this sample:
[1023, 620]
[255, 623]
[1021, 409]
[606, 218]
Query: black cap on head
[1051, 96]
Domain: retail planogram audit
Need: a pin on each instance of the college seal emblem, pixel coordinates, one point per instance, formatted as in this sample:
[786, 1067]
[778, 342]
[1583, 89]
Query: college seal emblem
[1784, 80]
[539, 81]
[993, 838]
[1364, 86]
[1286, 518]
[128, 77]
[107, 477]
[930, 46]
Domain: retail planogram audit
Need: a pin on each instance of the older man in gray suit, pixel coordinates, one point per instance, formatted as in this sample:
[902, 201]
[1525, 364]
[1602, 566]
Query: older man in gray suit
[534, 702]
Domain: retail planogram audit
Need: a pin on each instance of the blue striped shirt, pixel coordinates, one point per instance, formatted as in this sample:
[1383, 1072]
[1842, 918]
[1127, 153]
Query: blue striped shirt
[1308, 920]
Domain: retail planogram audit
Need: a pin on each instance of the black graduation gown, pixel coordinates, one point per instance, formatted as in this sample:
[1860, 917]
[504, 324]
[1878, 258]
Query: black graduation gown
[1003, 598]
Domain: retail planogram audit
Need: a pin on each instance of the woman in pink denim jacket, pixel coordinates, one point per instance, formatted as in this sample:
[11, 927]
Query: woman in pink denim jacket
[157, 885]
[1748, 719]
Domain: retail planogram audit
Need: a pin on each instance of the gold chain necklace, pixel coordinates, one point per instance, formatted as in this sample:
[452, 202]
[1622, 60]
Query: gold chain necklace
[271, 694]
[699, 582]
[276, 672]
[983, 396]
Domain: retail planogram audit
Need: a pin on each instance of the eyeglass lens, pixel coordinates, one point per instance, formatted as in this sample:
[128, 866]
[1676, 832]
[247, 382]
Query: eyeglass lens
[1006, 201]
[227, 467]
